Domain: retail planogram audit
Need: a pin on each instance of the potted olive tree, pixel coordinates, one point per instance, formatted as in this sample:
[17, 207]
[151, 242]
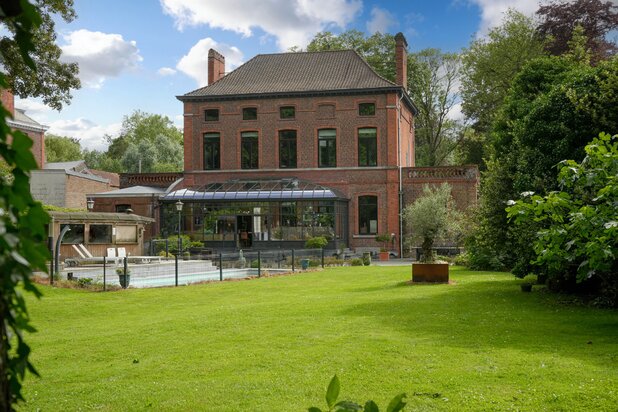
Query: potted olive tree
[430, 217]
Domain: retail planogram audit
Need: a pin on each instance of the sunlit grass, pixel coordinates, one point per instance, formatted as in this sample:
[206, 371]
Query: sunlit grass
[273, 344]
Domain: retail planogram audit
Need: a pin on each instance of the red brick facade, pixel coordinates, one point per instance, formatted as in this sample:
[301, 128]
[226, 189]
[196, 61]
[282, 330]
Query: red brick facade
[347, 177]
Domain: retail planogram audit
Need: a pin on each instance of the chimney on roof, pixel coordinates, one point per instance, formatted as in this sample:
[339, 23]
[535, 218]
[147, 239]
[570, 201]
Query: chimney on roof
[401, 60]
[216, 66]
[8, 101]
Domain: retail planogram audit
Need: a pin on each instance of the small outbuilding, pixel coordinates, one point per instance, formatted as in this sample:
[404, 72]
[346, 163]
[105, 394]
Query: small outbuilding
[98, 231]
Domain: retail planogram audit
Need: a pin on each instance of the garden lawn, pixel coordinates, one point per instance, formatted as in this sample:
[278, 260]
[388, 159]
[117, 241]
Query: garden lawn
[273, 344]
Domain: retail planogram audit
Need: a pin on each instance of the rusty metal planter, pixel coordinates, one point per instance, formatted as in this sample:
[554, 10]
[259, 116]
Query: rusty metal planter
[430, 272]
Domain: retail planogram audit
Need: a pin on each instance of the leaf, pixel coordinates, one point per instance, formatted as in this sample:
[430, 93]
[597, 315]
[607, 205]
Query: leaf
[396, 404]
[332, 393]
[314, 409]
[371, 406]
[348, 406]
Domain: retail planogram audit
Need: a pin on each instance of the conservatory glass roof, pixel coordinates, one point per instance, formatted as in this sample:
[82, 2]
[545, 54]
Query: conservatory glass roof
[255, 190]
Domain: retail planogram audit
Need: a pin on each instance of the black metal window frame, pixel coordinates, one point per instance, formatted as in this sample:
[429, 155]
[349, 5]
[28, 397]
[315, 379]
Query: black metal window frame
[212, 151]
[367, 147]
[249, 150]
[367, 109]
[327, 147]
[211, 115]
[288, 149]
[367, 211]
[249, 113]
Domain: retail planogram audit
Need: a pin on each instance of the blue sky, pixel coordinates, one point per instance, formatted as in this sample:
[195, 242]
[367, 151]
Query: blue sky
[140, 54]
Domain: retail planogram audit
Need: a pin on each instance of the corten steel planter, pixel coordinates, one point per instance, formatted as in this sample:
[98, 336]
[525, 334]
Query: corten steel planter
[430, 272]
[384, 255]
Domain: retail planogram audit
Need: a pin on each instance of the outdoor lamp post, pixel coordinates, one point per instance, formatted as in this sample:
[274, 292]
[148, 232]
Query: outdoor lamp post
[90, 203]
[179, 210]
[179, 206]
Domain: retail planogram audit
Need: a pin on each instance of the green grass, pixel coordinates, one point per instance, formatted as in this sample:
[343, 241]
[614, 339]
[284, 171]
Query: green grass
[273, 344]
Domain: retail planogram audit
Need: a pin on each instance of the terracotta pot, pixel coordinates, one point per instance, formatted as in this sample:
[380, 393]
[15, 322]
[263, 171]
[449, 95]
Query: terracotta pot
[430, 272]
[384, 255]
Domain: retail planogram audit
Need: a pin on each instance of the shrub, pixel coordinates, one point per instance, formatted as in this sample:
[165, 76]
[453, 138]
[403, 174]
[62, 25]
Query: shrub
[531, 279]
[462, 259]
[84, 282]
[317, 242]
[366, 259]
[577, 244]
[356, 262]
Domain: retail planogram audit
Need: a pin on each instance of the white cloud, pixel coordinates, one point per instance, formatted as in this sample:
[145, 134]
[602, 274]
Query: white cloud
[91, 135]
[456, 113]
[195, 63]
[492, 11]
[33, 108]
[292, 22]
[99, 55]
[380, 21]
[166, 71]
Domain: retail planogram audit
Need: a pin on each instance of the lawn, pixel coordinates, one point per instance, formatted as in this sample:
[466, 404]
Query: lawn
[272, 344]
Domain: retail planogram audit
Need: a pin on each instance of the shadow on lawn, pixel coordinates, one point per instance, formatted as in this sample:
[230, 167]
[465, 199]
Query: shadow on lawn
[484, 314]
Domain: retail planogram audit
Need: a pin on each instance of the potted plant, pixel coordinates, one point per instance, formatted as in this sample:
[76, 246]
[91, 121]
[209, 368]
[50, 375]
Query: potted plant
[384, 238]
[527, 282]
[430, 217]
[317, 242]
[186, 255]
[124, 277]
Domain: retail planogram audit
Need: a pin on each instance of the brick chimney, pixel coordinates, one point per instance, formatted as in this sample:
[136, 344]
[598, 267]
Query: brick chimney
[401, 60]
[216, 66]
[8, 101]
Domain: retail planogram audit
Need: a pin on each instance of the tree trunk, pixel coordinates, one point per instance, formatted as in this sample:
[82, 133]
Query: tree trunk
[427, 249]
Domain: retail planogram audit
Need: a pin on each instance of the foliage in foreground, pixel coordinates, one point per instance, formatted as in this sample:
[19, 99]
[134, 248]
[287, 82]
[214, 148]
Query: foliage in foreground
[332, 393]
[22, 221]
[578, 243]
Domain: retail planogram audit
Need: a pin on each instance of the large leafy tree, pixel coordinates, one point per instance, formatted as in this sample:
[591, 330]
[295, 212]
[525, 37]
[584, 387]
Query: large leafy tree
[491, 63]
[22, 220]
[378, 49]
[62, 148]
[147, 142]
[598, 18]
[554, 105]
[433, 77]
[52, 80]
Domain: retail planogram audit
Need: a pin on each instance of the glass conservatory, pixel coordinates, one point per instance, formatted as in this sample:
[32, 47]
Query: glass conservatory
[260, 214]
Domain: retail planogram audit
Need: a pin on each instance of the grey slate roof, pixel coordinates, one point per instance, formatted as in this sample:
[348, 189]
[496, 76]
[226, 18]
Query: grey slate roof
[133, 191]
[21, 120]
[296, 73]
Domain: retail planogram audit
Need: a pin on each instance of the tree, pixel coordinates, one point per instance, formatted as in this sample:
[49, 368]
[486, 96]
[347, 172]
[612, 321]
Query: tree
[558, 19]
[431, 217]
[378, 49]
[23, 220]
[577, 244]
[490, 64]
[140, 126]
[62, 148]
[52, 80]
[432, 81]
[553, 105]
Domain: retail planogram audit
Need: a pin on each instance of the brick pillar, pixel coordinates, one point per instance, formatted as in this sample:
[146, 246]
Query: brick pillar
[401, 60]
[8, 101]
[216, 66]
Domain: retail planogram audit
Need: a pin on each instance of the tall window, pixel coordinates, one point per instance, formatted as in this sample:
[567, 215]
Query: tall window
[249, 113]
[249, 150]
[367, 147]
[287, 149]
[212, 151]
[367, 215]
[75, 235]
[327, 148]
